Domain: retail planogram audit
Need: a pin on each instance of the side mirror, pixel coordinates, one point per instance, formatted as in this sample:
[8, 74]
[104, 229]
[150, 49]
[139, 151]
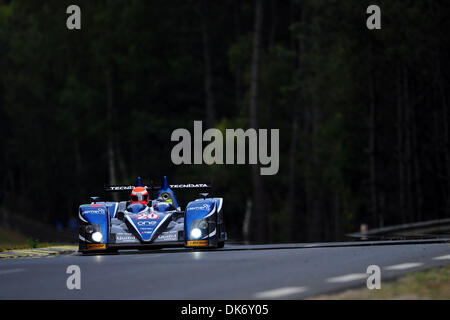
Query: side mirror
[120, 215]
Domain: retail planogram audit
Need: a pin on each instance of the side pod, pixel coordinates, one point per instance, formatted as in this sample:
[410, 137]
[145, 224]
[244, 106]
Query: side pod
[93, 226]
[203, 225]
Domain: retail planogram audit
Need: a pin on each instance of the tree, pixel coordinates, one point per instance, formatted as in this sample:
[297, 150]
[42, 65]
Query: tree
[259, 214]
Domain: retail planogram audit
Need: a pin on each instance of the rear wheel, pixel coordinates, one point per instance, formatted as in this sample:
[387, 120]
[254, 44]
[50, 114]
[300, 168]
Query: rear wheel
[220, 243]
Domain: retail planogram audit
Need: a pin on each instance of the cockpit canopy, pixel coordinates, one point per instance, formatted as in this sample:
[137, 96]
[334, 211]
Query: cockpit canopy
[163, 206]
[136, 207]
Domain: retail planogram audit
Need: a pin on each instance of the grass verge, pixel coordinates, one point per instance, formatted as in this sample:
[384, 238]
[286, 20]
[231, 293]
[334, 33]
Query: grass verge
[430, 284]
[10, 240]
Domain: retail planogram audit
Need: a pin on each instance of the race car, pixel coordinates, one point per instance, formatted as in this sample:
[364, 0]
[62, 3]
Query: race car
[106, 226]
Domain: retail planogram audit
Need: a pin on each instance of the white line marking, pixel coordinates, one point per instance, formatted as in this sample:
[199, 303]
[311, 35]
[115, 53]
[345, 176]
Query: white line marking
[280, 292]
[447, 257]
[348, 277]
[404, 266]
[146, 256]
[11, 271]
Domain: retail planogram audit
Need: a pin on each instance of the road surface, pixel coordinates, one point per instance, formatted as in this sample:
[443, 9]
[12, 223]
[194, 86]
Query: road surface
[235, 272]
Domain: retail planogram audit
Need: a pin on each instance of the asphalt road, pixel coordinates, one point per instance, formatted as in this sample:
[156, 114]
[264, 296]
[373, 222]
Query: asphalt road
[236, 272]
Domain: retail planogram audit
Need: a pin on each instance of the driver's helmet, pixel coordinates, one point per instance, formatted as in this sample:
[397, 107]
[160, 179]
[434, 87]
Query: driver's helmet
[139, 195]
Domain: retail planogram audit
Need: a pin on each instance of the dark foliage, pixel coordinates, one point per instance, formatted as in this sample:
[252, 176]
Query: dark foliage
[363, 115]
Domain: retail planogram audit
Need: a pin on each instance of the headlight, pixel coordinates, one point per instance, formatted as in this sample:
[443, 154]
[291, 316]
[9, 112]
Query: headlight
[89, 228]
[196, 233]
[203, 224]
[97, 236]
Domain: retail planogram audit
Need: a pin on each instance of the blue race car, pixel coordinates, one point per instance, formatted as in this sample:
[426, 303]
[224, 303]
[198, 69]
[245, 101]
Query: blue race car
[143, 223]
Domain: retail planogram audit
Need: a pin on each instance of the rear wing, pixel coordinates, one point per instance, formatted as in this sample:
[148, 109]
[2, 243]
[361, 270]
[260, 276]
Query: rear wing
[165, 188]
[150, 188]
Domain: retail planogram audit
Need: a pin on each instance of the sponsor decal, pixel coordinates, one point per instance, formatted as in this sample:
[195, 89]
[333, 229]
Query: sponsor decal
[198, 243]
[154, 216]
[121, 188]
[125, 237]
[95, 205]
[198, 185]
[203, 207]
[146, 223]
[98, 211]
[146, 228]
[96, 246]
[147, 216]
[168, 236]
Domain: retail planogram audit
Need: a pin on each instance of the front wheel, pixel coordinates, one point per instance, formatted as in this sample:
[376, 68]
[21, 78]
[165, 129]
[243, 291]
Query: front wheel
[220, 244]
[112, 250]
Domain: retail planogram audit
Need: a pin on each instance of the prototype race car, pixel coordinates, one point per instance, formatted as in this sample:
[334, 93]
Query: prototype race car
[110, 226]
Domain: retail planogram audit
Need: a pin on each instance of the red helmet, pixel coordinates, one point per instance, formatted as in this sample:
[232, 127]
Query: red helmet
[139, 195]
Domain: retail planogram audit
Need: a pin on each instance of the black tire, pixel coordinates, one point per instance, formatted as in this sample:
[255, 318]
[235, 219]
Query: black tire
[220, 244]
[111, 250]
